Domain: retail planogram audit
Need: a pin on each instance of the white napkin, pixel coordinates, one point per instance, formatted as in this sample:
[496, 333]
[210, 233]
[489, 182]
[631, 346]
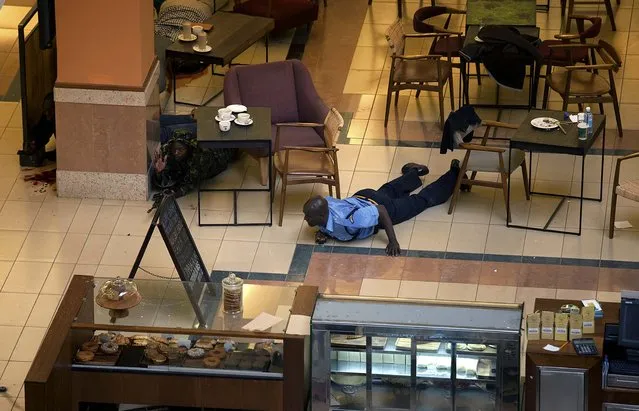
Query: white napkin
[623, 224]
[574, 118]
[552, 348]
[262, 322]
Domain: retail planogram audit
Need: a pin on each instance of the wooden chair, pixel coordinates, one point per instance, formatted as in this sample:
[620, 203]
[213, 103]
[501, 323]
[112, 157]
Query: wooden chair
[490, 159]
[582, 83]
[627, 189]
[306, 165]
[571, 8]
[420, 72]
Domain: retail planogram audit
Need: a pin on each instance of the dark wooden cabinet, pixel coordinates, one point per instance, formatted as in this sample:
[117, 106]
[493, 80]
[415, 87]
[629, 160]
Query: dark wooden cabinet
[565, 381]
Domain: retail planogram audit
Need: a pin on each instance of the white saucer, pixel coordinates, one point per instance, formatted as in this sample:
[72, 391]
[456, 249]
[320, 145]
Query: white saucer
[243, 124]
[237, 108]
[231, 119]
[181, 37]
[545, 123]
[206, 50]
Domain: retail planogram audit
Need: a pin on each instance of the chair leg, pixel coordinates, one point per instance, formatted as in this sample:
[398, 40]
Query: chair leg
[613, 211]
[388, 101]
[544, 101]
[441, 108]
[460, 177]
[452, 92]
[478, 68]
[396, 98]
[282, 199]
[524, 174]
[601, 108]
[571, 8]
[264, 161]
[564, 105]
[611, 15]
[615, 104]
[330, 190]
[417, 93]
[504, 183]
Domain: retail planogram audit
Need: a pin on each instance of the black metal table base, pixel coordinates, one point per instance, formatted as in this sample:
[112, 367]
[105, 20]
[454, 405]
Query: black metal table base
[269, 188]
[563, 197]
[533, 83]
[213, 73]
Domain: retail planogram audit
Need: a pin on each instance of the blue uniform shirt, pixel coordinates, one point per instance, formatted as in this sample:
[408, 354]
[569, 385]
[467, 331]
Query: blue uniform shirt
[351, 218]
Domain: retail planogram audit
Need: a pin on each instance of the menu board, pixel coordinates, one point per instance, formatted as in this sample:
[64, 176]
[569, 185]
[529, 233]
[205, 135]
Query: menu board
[184, 253]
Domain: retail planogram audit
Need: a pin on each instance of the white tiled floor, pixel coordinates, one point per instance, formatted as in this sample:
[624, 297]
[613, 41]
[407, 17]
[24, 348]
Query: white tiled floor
[44, 239]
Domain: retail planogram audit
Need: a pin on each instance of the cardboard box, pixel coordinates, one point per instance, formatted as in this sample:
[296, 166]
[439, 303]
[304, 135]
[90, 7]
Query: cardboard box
[588, 316]
[547, 325]
[533, 322]
[576, 324]
[561, 327]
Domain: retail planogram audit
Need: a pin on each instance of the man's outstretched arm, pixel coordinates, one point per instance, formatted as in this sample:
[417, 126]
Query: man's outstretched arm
[385, 222]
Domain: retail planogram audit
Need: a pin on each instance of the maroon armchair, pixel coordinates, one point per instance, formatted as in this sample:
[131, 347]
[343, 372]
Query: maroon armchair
[287, 14]
[287, 88]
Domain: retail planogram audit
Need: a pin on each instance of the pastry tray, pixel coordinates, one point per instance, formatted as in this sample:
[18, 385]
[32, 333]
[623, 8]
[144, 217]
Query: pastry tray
[341, 340]
[403, 344]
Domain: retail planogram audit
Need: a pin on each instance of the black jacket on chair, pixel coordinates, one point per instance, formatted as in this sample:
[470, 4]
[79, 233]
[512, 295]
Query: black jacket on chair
[459, 128]
[505, 53]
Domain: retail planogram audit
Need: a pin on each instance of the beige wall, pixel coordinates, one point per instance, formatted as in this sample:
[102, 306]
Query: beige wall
[104, 43]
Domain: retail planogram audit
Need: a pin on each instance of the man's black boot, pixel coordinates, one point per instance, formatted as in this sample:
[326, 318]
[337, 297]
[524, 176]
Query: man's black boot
[455, 164]
[422, 170]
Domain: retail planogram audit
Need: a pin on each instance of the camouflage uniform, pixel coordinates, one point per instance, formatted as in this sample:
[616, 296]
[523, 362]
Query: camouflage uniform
[182, 176]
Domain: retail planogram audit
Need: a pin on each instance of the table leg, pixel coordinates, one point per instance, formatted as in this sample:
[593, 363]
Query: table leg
[173, 81]
[399, 9]
[508, 190]
[603, 149]
[581, 192]
[199, 207]
[270, 184]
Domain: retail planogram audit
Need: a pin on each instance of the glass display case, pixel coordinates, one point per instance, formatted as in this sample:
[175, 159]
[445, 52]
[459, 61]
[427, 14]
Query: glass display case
[375, 354]
[171, 343]
[179, 327]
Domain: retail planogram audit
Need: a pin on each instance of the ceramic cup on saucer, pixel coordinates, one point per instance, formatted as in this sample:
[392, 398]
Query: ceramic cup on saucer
[224, 114]
[202, 41]
[197, 30]
[186, 30]
[225, 125]
[244, 118]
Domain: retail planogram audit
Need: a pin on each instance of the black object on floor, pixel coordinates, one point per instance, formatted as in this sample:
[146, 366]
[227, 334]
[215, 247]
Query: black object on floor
[3, 389]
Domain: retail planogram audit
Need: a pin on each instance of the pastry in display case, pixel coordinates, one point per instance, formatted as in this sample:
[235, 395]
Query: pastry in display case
[435, 355]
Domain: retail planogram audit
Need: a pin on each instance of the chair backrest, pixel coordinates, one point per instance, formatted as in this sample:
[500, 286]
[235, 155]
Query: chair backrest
[587, 33]
[395, 38]
[332, 127]
[422, 15]
[609, 55]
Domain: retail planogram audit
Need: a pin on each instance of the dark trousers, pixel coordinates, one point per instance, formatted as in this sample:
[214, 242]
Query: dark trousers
[401, 205]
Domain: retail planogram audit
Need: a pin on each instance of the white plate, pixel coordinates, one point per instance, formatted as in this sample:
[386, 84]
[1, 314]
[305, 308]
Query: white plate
[243, 124]
[182, 38]
[545, 123]
[231, 119]
[237, 108]
[199, 50]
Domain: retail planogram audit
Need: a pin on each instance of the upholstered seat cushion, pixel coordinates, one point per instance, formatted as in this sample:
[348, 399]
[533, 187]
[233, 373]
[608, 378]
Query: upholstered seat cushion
[561, 55]
[305, 163]
[297, 137]
[413, 71]
[582, 83]
[629, 190]
[286, 13]
[489, 162]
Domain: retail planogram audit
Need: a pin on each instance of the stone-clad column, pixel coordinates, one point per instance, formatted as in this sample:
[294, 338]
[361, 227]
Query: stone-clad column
[106, 93]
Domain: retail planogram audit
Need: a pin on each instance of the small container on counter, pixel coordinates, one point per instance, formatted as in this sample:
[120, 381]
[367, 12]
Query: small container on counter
[232, 294]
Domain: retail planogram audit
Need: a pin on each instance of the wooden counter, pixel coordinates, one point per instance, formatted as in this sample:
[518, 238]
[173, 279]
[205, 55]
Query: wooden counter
[566, 358]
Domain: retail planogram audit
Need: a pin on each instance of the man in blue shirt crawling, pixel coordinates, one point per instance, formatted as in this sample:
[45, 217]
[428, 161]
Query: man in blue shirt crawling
[362, 215]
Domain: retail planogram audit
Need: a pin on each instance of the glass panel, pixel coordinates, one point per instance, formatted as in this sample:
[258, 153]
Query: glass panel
[176, 304]
[476, 374]
[348, 372]
[389, 392]
[434, 383]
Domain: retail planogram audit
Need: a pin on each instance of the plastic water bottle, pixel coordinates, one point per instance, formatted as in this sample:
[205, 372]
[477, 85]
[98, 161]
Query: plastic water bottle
[589, 119]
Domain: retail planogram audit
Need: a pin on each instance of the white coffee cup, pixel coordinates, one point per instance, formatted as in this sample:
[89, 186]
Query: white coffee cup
[202, 40]
[186, 30]
[225, 125]
[224, 114]
[197, 30]
[244, 118]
